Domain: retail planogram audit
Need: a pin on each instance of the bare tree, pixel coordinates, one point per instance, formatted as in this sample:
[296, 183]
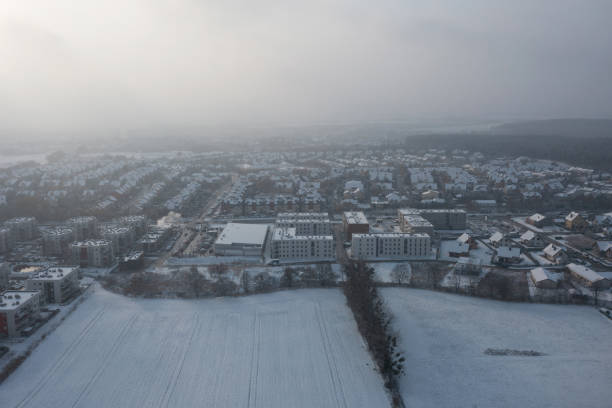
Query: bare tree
[196, 282]
[288, 278]
[246, 281]
[326, 275]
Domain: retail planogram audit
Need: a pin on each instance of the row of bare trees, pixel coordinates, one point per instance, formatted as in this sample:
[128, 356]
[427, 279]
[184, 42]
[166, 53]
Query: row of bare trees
[374, 323]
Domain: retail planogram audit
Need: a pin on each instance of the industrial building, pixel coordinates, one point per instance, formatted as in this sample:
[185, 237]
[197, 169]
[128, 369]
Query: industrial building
[287, 244]
[18, 310]
[241, 240]
[390, 246]
[355, 222]
[96, 253]
[56, 284]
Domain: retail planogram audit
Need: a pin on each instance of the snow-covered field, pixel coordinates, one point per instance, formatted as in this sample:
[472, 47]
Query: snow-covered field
[444, 337]
[287, 349]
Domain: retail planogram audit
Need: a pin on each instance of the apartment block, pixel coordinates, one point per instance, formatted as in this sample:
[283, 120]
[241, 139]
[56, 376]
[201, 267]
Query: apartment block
[390, 246]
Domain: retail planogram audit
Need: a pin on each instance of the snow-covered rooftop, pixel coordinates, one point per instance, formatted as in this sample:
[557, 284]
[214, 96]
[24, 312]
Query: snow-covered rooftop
[55, 273]
[248, 234]
[584, 272]
[355, 217]
[12, 299]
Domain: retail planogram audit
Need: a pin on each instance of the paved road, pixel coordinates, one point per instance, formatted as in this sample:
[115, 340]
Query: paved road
[186, 230]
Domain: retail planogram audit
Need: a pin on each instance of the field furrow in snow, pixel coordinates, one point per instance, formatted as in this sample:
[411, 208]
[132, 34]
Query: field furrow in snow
[445, 337]
[287, 349]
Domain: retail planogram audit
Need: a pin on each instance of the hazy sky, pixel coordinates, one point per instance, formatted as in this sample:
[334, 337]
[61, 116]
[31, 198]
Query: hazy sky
[85, 65]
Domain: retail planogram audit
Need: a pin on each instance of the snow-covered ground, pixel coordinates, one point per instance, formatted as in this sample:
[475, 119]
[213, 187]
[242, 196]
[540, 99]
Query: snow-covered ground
[444, 337]
[287, 349]
[384, 271]
[547, 229]
[214, 260]
[483, 253]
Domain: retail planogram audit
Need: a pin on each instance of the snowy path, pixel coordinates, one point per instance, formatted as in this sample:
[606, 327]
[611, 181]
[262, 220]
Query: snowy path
[444, 337]
[287, 349]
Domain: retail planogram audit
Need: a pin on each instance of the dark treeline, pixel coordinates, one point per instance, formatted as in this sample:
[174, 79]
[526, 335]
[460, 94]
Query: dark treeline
[374, 323]
[591, 152]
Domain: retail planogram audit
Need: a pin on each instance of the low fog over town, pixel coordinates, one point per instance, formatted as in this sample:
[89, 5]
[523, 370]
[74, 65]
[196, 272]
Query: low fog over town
[289, 204]
[110, 229]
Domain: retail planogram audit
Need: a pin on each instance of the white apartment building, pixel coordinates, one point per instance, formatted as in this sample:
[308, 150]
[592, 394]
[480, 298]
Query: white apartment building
[307, 223]
[390, 246]
[6, 240]
[138, 223]
[287, 244]
[96, 253]
[121, 237]
[84, 227]
[416, 224]
[441, 219]
[18, 310]
[22, 228]
[56, 284]
[4, 275]
[56, 241]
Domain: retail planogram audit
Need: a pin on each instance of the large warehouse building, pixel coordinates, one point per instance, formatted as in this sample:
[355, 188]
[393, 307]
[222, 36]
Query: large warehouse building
[241, 240]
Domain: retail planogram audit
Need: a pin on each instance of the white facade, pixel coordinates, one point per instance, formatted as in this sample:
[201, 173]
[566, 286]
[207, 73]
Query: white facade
[287, 244]
[121, 237]
[84, 227]
[138, 223]
[57, 240]
[4, 275]
[6, 240]
[56, 284]
[390, 246]
[93, 253]
[22, 228]
[305, 223]
[18, 310]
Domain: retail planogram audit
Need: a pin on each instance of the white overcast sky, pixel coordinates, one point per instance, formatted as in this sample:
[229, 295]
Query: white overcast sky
[82, 65]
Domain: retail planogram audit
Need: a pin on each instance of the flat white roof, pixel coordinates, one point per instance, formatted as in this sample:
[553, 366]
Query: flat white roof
[417, 220]
[91, 243]
[246, 234]
[284, 234]
[55, 273]
[13, 299]
[302, 215]
[392, 235]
